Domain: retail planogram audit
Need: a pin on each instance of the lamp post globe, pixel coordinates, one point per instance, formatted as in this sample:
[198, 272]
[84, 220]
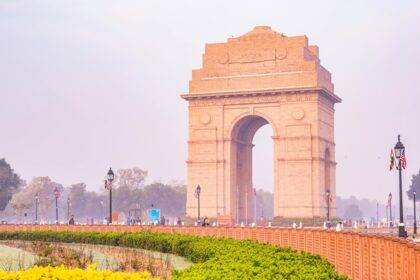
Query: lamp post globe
[110, 175]
[399, 148]
[399, 152]
[108, 185]
[56, 192]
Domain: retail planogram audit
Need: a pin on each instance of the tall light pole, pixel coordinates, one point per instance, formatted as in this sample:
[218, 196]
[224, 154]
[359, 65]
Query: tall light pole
[415, 219]
[197, 195]
[68, 208]
[108, 185]
[57, 195]
[36, 208]
[328, 197]
[390, 209]
[102, 210]
[400, 155]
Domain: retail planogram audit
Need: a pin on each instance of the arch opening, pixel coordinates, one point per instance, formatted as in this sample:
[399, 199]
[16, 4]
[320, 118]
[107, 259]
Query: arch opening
[243, 189]
[263, 172]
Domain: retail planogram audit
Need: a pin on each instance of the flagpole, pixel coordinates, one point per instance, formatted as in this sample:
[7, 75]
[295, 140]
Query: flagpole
[246, 206]
[237, 204]
[255, 205]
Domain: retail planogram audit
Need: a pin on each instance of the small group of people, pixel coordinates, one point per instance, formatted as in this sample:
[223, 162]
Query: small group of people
[294, 225]
[133, 221]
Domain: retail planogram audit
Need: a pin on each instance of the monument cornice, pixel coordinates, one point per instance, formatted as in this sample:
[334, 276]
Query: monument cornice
[260, 92]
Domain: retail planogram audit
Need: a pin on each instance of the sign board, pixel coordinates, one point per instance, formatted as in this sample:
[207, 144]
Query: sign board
[153, 215]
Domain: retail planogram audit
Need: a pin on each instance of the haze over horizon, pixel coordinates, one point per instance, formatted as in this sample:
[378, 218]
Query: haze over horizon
[85, 85]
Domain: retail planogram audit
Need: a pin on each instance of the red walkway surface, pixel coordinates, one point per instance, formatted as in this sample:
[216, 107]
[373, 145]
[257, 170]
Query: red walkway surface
[359, 256]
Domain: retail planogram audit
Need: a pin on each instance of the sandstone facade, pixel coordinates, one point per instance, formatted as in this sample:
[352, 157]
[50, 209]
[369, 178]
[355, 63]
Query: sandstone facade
[262, 77]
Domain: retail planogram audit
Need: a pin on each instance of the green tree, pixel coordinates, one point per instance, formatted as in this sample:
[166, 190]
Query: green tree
[124, 198]
[84, 204]
[77, 194]
[352, 211]
[93, 206]
[170, 200]
[44, 187]
[265, 205]
[133, 178]
[10, 182]
[415, 185]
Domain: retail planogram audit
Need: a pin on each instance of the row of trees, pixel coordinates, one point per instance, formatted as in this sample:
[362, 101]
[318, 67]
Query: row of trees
[10, 182]
[84, 204]
[18, 199]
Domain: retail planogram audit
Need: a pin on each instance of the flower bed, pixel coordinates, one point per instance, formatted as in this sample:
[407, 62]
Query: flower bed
[214, 258]
[77, 255]
[64, 273]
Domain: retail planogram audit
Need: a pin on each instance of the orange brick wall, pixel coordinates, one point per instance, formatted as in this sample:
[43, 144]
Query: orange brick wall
[359, 256]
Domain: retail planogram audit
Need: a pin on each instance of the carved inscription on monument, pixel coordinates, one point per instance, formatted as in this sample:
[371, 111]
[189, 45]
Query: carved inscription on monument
[247, 56]
[280, 98]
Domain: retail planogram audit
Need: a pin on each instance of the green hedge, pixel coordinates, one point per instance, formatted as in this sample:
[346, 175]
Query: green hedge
[214, 258]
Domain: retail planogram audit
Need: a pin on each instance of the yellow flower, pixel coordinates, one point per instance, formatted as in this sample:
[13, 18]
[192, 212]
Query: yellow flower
[63, 273]
[92, 266]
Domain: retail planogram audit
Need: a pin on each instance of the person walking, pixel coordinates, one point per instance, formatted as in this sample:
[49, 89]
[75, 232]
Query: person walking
[206, 222]
[71, 221]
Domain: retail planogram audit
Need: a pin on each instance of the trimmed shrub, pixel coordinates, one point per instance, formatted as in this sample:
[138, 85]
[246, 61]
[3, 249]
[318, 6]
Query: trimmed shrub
[214, 258]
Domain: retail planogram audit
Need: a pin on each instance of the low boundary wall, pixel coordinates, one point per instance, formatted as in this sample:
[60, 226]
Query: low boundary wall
[359, 256]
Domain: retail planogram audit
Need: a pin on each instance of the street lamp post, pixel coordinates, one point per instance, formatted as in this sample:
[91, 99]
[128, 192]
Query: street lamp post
[102, 210]
[399, 154]
[197, 194]
[68, 208]
[328, 193]
[415, 219]
[57, 195]
[390, 209]
[36, 208]
[108, 185]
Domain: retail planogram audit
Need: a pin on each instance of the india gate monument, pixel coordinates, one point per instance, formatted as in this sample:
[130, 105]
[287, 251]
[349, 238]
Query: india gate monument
[261, 78]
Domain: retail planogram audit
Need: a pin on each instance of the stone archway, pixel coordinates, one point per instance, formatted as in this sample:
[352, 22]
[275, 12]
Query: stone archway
[242, 192]
[259, 78]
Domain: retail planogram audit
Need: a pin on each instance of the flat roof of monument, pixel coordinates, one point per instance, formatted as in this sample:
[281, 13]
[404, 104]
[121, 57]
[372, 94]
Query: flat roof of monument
[254, 92]
[261, 60]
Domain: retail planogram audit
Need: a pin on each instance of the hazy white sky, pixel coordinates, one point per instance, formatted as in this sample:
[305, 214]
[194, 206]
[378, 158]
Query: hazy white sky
[85, 85]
